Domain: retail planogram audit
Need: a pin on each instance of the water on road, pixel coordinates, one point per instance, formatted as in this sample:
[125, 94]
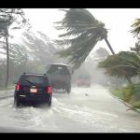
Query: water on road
[84, 110]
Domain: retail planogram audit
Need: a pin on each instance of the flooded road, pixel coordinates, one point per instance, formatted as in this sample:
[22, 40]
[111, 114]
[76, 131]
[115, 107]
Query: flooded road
[84, 110]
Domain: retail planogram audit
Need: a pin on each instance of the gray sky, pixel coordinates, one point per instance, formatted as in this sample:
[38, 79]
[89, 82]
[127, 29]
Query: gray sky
[118, 21]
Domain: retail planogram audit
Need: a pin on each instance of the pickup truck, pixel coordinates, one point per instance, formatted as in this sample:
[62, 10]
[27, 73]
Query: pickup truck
[59, 76]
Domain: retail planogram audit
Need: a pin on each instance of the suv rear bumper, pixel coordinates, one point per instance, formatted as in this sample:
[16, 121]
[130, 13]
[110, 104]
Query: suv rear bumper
[34, 97]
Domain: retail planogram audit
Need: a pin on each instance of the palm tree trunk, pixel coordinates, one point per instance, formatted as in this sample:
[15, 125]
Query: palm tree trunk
[7, 53]
[108, 44]
[128, 79]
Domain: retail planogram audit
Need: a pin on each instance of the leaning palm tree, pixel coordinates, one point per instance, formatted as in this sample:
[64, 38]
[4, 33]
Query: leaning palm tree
[83, 32]
[4, 25]
[136, 32]
[136, 28]
[125, 64]
[9, 16]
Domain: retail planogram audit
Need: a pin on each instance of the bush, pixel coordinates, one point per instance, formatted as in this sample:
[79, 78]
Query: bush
[124, 93]
[129, 94]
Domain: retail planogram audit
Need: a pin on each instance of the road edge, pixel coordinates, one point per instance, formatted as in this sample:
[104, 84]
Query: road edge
[126, 104]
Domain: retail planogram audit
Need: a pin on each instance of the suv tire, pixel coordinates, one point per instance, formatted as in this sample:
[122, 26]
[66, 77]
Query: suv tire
[16, 102]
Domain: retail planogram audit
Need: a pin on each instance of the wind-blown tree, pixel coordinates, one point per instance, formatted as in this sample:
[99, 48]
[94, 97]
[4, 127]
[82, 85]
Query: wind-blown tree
[136, 32]
[122, 65]
[136, 28]
[18, 60]
[83, 32]
[136, 48]
[10, 18]
[41, 49]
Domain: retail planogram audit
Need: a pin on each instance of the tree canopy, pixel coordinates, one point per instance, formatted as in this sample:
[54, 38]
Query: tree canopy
[83, 32]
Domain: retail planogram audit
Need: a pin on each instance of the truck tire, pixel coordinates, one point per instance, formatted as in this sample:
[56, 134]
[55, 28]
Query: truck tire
[68, 89]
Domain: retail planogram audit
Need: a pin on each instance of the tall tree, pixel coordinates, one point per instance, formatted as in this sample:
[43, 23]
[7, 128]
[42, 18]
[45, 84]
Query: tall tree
[136, 28]
[136, 48]
[122, 65]
[136, 32]
[83, 32]
[42, 50]
[15, 19]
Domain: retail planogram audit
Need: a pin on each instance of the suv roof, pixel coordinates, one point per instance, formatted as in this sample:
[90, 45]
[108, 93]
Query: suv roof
[33, 74]
[62, 64]
[34, 78]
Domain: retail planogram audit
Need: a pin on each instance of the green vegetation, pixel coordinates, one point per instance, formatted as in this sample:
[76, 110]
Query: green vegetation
[8, 88]
[126, 65]
[129, 94]
[122, 65]
[82, 34]
[86, 32]
[23, 60]
[30, 54]
[124, 93]
[10, 18]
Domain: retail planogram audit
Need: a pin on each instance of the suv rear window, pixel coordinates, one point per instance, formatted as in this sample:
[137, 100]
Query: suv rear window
[62, 70]
[27, 79]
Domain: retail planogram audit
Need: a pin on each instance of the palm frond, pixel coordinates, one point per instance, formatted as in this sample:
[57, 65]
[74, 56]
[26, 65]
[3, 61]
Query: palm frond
[78, 52]
[121, 65]
[86, 32]
[136, 27]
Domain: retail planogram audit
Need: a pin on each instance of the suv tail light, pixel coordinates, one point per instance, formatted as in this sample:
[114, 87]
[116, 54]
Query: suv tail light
[17, 87]
[48, 89]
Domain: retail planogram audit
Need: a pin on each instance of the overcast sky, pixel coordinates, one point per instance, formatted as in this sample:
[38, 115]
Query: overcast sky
[118, 21]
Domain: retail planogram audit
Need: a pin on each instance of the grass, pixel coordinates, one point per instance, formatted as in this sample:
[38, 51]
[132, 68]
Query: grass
[129, 94]
[8, 88]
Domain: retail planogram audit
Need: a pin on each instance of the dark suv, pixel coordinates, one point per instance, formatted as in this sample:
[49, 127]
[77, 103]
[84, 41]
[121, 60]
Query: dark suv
[32, 88]
[60, 76]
